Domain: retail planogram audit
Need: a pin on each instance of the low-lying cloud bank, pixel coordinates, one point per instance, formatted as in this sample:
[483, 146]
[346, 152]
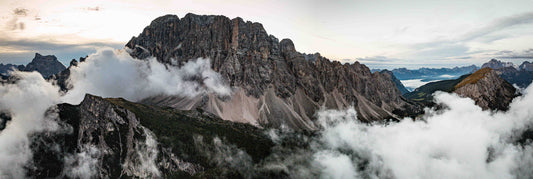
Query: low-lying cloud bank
[460, 141]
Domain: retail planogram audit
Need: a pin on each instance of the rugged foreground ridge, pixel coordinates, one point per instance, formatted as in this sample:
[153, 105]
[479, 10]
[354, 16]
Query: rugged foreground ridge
[274, 83]
[115, 138]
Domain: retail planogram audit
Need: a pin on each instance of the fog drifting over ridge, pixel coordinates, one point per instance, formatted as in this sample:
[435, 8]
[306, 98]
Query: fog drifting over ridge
[459, 141]
[107, 73]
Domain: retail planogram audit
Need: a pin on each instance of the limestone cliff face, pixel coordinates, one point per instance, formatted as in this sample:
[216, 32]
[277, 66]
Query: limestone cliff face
[278, 83]
[487, 89]
[396, 81]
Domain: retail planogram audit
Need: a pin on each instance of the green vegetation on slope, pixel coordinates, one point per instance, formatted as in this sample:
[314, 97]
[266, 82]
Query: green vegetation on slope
[424, 93]
[473, 78]
[178, 129]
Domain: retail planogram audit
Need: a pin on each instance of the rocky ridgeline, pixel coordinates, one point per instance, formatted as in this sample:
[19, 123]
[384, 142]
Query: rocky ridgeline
[258, 64]
[521, 75]
[115, 138]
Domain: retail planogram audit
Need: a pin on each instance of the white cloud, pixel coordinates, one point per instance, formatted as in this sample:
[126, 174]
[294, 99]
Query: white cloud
[27, 102]
[108, 73]
[415, 83]
[461, 141]
[114, 73]
[83, 164]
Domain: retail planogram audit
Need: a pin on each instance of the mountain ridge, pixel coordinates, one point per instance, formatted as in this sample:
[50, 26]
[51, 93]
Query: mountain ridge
[268, 71]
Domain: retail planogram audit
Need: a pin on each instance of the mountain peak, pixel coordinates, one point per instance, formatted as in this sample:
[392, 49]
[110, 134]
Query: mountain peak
[46, 65]
[487, 89]
[267, 70]
[496, 64]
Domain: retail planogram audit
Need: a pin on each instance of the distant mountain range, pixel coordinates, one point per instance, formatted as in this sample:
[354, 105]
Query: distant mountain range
[520, 75]
[431, 73]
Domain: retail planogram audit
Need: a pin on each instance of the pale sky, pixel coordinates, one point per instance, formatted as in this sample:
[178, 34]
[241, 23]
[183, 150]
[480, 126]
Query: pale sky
[379, 33]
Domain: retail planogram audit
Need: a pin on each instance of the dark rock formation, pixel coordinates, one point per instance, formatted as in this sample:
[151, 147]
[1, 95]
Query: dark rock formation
[115, 138]
[521, 78]
[46, 65]
[398, 83]
[5, 69]
[252, 60]
[526, 66]
[487, 89]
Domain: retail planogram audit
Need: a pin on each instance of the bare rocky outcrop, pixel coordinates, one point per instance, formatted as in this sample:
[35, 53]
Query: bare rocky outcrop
[278, 82]
[115, 138]
[487, 89]
[396, 81]
[46, 65]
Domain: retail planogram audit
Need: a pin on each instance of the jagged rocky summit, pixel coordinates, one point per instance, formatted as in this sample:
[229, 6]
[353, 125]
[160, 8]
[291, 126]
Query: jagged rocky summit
[46, 65]
[274, 84]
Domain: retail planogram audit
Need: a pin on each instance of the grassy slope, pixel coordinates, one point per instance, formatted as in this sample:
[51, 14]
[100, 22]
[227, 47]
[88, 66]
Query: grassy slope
[424, 93]
[176, 130]
[473, 78]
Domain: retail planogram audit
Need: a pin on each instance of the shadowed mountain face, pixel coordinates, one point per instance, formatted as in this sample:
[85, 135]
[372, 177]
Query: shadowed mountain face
[46, 65]
[274, 83]
[115, 138]
[527, 66]
[521, 75]
[4, 69]
[398, 83]
[521, 78]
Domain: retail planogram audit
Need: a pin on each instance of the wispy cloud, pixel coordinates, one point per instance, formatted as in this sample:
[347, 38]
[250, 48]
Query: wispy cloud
[526, 54]
[460, 48]
[498, 25]
[21, 51]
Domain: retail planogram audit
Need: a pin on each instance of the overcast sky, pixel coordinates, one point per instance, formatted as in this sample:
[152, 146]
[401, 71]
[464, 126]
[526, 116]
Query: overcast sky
[395, 33]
